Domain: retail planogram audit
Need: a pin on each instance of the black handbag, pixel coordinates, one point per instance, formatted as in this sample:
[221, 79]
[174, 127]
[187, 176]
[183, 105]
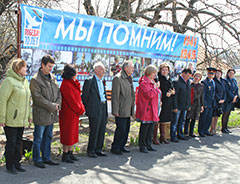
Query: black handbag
[237, 103]
[26, 145]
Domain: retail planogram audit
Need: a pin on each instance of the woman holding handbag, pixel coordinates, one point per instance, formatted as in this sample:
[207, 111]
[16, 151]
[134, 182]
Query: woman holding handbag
[71, 109]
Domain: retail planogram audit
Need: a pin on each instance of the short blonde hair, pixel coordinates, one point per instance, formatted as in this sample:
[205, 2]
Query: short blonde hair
[163, 65]
[17, 64]
[197, 73]
[150, 69]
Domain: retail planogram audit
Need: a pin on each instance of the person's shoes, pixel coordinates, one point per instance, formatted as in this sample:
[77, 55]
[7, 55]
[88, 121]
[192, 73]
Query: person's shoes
[66, 158]
[208, 134]
[201, 135]
[39, 165]
[155, 141]
[228, 130]
[72, 156]
[192, 135]
[101, 154]
[51, 162]
[12, 171]
[174, 140]
[20, 168]
[150, 148]
[143, 150]
[116, 152]
[124, 150]
[92, 155]
[182, 138]
[224, 131]
[164, 141]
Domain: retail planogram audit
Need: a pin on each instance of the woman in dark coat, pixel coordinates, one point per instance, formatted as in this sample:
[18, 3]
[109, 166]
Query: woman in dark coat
[231, 98]
[71, 109]
[167, 91]
[220, 96]
[197, 98]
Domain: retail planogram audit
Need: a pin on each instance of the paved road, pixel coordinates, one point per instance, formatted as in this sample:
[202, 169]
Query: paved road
[207, 160]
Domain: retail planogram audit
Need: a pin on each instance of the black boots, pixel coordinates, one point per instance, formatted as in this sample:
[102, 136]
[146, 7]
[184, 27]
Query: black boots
[66, 158]
[69, 157]
[72, 156]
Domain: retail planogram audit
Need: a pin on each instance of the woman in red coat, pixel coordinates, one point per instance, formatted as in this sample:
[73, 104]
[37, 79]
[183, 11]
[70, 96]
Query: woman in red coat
[71, 109]
[147, 107]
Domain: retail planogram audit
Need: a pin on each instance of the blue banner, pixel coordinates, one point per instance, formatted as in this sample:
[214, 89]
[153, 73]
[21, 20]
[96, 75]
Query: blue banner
[64, 31]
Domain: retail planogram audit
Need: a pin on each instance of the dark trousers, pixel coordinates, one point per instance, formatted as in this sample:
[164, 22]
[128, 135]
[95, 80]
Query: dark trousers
[145, 135]
[121, 133]
[97, 127]
[186, 126]
[205, 121]
[13, 145]
[225, 118]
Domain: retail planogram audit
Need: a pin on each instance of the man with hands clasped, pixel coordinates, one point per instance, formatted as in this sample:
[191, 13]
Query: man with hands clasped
[46, 103]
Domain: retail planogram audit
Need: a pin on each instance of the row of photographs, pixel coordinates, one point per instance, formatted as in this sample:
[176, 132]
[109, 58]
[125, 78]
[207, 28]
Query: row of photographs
[85, 62]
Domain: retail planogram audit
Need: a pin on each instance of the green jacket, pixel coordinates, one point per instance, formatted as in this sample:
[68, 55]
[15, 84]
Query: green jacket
[14, 100]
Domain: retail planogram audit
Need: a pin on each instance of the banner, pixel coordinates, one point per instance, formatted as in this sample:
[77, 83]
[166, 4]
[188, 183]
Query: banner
[49, 29]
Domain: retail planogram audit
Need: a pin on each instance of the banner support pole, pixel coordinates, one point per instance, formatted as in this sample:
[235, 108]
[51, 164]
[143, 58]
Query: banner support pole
[19, 30]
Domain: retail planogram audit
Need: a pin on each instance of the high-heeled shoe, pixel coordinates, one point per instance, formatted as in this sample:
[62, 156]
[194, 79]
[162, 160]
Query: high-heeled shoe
[155, 141]
[164, 141]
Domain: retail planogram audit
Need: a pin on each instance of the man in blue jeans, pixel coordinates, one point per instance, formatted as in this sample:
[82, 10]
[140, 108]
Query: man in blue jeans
[46, 104]
[181, 102]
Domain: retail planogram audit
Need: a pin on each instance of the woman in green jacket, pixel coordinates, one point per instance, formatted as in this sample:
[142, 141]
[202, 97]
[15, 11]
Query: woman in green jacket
[14, 112]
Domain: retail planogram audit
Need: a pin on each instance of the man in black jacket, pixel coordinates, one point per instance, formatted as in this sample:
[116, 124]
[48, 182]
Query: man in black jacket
[95, 102]
[181, 102]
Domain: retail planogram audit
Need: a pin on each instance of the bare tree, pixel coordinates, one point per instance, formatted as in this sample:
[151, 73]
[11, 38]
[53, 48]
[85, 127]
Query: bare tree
[217, 23]
[8, 27]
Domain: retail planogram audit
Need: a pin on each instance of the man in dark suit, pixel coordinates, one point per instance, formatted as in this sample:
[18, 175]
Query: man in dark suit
[181, 103]
[209, 102]
[95, 102]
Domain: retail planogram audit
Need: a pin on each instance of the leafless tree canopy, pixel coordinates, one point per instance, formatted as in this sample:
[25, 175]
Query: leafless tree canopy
[216, 22]
[8, 28]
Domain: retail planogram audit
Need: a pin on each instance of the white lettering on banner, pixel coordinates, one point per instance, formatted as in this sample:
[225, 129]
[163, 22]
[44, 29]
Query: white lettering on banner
[158, 40]
[115, 33]
[90, 31]
[61, 28]
[147, 38]
[173, 45]
[31, 40]
[166, 44]
[153, 39]
[134, 39]
[81, 29]
[105, 24]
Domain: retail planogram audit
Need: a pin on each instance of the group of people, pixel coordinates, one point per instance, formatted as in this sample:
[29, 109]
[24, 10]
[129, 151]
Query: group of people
[158, 100]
